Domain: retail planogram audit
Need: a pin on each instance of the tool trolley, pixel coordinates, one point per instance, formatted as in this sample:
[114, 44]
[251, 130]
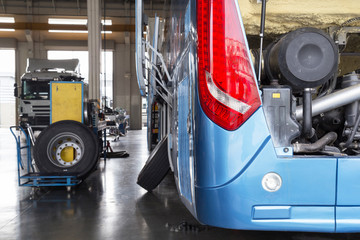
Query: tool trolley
[27, 172]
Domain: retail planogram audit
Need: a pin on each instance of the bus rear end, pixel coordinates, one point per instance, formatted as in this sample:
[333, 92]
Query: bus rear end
[259, 154]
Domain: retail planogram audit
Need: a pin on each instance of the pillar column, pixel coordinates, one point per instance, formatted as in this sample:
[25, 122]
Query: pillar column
[94, 46]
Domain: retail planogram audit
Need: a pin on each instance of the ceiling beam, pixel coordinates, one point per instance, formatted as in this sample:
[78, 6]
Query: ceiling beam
[121, 10]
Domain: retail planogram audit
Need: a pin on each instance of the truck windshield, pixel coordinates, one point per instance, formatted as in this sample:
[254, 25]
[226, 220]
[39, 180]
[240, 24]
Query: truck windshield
[38, 90]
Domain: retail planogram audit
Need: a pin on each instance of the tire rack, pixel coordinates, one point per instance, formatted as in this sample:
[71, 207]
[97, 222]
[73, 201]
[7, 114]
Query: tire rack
[31, 178]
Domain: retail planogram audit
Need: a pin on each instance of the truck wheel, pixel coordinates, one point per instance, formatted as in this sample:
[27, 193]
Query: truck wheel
[156, 167]
[66, 148]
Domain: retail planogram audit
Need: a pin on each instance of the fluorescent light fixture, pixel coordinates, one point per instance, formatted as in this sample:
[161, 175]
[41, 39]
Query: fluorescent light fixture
[106, 22]
[68, 31]
[67, 21]
[7, 30]
[73, 21]
[7, 20]
[76, 31]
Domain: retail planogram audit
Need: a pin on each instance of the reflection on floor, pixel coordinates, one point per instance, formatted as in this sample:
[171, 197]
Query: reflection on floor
[108, 205]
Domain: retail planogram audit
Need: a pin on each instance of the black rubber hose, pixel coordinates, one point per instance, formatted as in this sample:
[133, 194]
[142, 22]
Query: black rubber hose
[307, 114]
[317, 146]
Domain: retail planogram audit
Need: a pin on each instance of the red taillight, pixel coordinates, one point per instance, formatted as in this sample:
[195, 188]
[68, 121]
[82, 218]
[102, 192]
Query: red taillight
[227, 87]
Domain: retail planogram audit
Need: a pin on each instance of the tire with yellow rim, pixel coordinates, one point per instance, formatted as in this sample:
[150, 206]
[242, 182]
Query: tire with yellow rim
[66, 148]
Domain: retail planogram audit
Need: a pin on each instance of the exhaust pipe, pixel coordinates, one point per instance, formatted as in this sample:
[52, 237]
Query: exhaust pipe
[340, 98]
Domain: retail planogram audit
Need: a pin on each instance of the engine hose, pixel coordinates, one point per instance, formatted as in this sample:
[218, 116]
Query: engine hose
[317, 146]
[307, 114]
[353, 132]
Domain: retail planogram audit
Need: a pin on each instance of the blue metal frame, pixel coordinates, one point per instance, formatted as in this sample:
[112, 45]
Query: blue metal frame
[48, 181]
[32, 178]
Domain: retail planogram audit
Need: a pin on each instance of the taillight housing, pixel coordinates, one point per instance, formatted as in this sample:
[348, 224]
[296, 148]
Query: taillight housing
[227, 86]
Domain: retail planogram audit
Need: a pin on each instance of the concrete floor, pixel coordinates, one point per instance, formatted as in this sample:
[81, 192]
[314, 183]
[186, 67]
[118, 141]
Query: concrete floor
[108, 205]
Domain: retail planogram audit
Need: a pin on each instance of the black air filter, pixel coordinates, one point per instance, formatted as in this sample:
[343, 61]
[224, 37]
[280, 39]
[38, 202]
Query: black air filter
[304, 58]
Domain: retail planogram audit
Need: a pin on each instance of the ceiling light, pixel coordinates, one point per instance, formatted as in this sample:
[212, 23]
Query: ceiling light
[68, 31]
[7, 30]
[7, 20]
[76, 31]
[67, 21]
[106, 22]
[74, 21]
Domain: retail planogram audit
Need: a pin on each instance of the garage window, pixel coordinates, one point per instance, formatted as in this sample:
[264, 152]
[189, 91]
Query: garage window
[7, 80]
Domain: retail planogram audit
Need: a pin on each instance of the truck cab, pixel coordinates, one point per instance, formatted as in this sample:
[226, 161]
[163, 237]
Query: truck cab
[34, 94]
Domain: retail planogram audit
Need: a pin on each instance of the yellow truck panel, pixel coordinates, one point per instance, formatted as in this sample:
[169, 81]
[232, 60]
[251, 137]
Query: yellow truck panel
[66, 101]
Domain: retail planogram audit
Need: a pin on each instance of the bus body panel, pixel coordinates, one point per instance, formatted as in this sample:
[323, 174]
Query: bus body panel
[308, 184]
[183, 139]
[220, 154]
[348, 195]
[348, 192]
[347, 219]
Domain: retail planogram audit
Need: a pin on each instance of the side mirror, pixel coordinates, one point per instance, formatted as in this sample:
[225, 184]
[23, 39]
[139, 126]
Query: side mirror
[16, 91]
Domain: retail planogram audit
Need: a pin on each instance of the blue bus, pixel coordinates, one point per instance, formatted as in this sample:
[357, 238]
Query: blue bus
[279, 152]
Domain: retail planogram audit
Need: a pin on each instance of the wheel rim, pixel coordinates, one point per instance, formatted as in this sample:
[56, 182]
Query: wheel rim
[65, 150]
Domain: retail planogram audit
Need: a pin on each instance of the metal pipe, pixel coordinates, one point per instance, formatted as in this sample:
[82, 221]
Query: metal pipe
[139, 51]
[347, 132]
[332, 101]
[152, 82]
[352, 109]
[262, 30]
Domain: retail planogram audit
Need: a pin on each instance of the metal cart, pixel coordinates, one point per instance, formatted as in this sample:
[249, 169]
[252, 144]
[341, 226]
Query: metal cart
[27, 174]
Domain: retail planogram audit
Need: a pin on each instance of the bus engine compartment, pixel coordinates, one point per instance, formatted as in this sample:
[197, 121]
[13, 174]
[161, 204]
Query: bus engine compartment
[307, 105]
